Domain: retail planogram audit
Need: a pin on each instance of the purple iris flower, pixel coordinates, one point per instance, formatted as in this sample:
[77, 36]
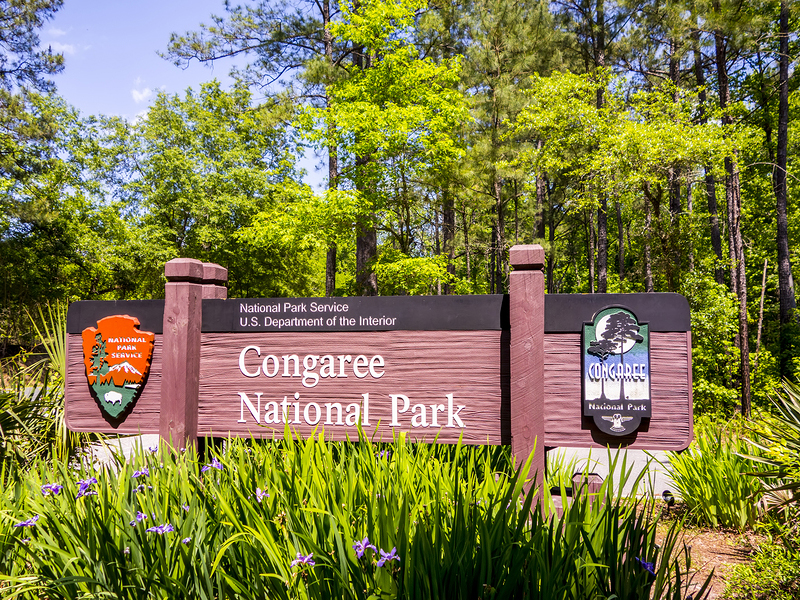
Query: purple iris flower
[140, 516]
[51, 488]
[186, 540]
[185, 507]
[303, 560]
[215, 464]
[647, 566]
[145, 472]
[361, 546]
[29, 523]
[83, 487]
[161, 529]
[153, 449]
[260, 494]
[388, 557]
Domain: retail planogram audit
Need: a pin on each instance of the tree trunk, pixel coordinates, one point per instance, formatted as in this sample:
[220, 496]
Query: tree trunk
[589, 220]
[366, 251]
[602, 246]
[541, 196]
[449, 235]
[648, 264]
[500, 241]
[330, 270]
[785, 281]
[602, 212]
[711, 191]
[333, 157]
[551, 251]
[735, 244]
[690, 211]
[620, 244]
[366, 234]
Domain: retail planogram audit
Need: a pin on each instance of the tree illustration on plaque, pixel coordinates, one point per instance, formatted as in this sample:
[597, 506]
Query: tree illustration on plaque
[602, 349]
[620, 329]
[99, 365]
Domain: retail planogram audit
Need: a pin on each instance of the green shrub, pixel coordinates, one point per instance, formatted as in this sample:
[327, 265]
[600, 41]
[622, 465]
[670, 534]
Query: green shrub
[715, 359]
[712, 477]
[778, 445]
[773, 574]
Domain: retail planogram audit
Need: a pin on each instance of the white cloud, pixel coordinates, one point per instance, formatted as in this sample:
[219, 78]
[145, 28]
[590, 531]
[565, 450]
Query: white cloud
[138, 81]
[56, 32]
[141, 96]
[65, 48]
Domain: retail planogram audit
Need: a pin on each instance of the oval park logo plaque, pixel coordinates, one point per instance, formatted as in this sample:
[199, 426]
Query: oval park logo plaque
[117, 357]
[616, 371]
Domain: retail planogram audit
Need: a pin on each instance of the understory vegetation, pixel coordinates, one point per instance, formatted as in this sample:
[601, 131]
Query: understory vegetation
[743, 475]
[317, 519]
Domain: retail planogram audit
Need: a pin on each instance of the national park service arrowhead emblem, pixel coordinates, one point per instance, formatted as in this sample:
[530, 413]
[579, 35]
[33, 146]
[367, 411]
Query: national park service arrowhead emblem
[117, 358]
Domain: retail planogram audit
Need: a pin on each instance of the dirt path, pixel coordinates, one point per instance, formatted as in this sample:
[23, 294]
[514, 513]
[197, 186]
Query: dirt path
[716, 550]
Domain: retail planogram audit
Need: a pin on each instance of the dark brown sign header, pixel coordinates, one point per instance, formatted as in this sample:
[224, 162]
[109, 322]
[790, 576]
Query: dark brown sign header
[380, 313]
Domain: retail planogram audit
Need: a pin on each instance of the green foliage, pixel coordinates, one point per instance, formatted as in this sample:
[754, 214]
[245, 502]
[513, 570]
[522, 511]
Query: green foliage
[778, 443]
[393, 116]
[207, 166]
[32, 426]
[772, 574]
[715, 481]
[715, 362]
[22, 62]
[399, 274]
[458, 519]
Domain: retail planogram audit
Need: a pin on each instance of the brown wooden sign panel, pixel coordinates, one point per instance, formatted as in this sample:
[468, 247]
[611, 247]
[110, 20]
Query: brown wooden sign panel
[669, 428]
[430, 384]
[485, 369]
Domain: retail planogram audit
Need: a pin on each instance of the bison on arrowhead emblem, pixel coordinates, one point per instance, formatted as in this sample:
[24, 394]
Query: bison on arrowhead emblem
[117, 357]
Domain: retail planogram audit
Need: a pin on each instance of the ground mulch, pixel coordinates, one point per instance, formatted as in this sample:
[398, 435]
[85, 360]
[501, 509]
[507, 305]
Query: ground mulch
[716, 550]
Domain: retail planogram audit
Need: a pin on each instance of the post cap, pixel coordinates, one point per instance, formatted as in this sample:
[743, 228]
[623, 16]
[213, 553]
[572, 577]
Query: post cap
[213, 273]
[529, 256]
[184, 269]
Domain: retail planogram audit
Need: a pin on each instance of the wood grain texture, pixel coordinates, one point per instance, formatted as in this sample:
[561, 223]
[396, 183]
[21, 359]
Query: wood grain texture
[529, 256]
[526, 314]
[183, 319]
[425, 366]
[82, 412]
[670, 428]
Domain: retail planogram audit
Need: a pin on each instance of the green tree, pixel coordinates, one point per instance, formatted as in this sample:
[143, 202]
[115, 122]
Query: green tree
[62, 234]
[392, 121]
[204, 167]
[294, 54]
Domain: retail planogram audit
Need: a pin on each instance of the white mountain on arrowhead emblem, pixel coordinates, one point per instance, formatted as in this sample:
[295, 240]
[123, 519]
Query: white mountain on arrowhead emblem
[125, 366]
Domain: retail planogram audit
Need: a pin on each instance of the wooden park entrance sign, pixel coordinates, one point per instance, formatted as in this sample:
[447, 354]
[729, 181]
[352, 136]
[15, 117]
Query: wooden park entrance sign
[524, 368]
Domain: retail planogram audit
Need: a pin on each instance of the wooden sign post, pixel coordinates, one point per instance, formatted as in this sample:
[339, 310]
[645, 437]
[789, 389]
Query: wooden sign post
[526, 305]
[526, 369]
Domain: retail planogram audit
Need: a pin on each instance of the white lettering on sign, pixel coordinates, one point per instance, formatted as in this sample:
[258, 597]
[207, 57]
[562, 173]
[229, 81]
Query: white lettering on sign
[615, 372]
[302, 314]
[349, 415]
[312, 369]
[315, 368]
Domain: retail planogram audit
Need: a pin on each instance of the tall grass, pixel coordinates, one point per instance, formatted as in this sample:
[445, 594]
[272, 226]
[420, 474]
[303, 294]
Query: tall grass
[715, 479]
[32, 423]
[460, 523]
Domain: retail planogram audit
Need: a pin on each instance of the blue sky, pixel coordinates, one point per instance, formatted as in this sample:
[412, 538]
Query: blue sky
[111, 57]
[110, 50]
